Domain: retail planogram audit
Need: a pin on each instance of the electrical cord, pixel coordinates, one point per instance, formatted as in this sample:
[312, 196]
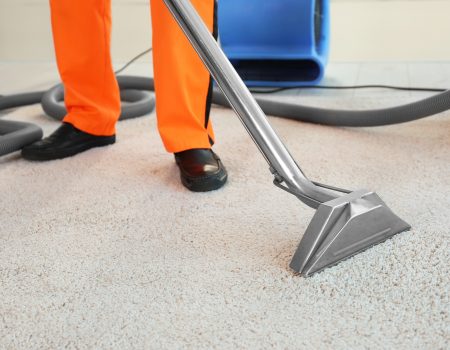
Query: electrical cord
[393, 87]
[134, 59]
[269, 90]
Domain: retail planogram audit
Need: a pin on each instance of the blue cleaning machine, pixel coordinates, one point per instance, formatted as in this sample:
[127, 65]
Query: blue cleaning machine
[279, 43]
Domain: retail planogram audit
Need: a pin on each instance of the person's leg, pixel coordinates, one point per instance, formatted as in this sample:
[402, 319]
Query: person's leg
[182, 82]
[81, 35]
[183, 98]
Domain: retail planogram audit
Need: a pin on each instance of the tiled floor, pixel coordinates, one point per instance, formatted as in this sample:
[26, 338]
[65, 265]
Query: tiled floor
[18, 77]
[434, 75]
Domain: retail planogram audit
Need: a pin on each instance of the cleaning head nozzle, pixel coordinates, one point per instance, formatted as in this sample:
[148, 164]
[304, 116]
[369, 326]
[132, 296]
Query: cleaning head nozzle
[344, 227]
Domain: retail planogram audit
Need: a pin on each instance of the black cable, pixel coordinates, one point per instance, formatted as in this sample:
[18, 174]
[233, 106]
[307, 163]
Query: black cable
[273, 90]
[270, 90]
[132, 61]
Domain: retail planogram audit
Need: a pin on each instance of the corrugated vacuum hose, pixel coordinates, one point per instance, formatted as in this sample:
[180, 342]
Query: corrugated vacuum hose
[135, 93]
[137, 101]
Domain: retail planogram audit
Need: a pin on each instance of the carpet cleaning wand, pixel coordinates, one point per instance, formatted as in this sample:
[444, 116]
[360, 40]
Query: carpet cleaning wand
[345, 222]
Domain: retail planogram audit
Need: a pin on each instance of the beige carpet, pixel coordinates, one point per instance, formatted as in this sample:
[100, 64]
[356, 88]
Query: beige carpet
[108, 250]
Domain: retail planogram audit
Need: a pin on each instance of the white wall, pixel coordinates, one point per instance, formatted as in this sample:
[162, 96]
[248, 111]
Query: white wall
[390, 30]
[25, 31]
[362, 30]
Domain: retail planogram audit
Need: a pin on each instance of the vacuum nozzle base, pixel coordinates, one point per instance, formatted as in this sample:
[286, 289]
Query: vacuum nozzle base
[344, 227]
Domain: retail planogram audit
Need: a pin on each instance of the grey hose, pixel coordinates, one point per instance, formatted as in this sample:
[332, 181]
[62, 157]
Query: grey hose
[20, 100]
[363, 118]
[15, 135]
[333, 117]
[138, 102]
[134, 93]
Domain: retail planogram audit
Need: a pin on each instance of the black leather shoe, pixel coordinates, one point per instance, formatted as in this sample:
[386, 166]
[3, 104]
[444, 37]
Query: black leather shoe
[64, 142]
[201, 170]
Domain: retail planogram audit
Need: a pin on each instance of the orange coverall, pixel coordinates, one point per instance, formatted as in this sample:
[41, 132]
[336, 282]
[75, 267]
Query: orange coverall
[82, 32]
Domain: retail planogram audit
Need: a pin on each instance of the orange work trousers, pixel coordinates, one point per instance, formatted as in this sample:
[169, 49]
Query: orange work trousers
[81, 34]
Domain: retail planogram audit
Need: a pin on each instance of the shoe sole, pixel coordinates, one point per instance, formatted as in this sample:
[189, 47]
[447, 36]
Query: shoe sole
[54, 155]
[207, 183]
